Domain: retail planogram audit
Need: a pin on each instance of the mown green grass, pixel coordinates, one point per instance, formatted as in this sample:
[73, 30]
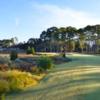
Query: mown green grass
[75, 80]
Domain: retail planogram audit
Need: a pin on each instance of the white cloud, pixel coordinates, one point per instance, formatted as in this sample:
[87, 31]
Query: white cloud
[52, 15]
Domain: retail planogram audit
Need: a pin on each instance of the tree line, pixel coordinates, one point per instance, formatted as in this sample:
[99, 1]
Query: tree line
[65, 39]
[8, 42]
[68, 39]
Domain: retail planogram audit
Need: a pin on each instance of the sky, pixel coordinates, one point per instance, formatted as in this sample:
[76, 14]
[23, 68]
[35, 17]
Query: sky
[26, 19]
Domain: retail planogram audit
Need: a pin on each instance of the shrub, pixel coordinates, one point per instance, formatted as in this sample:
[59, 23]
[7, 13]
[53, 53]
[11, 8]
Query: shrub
[15, 80]
[13, 55]
[34, 69]
[19, 80]
[44, 63]
[2, 96]
[64, 55]
[4, 86]
[3, 67]
[30, 50]
[4, 60]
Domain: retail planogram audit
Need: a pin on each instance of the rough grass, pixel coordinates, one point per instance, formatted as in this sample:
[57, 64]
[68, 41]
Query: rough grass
[76, 80]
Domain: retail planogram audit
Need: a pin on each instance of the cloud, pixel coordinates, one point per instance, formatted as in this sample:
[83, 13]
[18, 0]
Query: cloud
[53, 15]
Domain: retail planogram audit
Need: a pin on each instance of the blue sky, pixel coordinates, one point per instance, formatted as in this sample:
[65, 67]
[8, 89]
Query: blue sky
[28, 18]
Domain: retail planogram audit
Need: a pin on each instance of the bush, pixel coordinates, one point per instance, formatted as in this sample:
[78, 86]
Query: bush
[4, 86]
[19, 80]
[3, 67]
[2, 96]
[34, 69]
[30, 50]
[15, 80]
[13, 55]
[44, 63]
[64, 55]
